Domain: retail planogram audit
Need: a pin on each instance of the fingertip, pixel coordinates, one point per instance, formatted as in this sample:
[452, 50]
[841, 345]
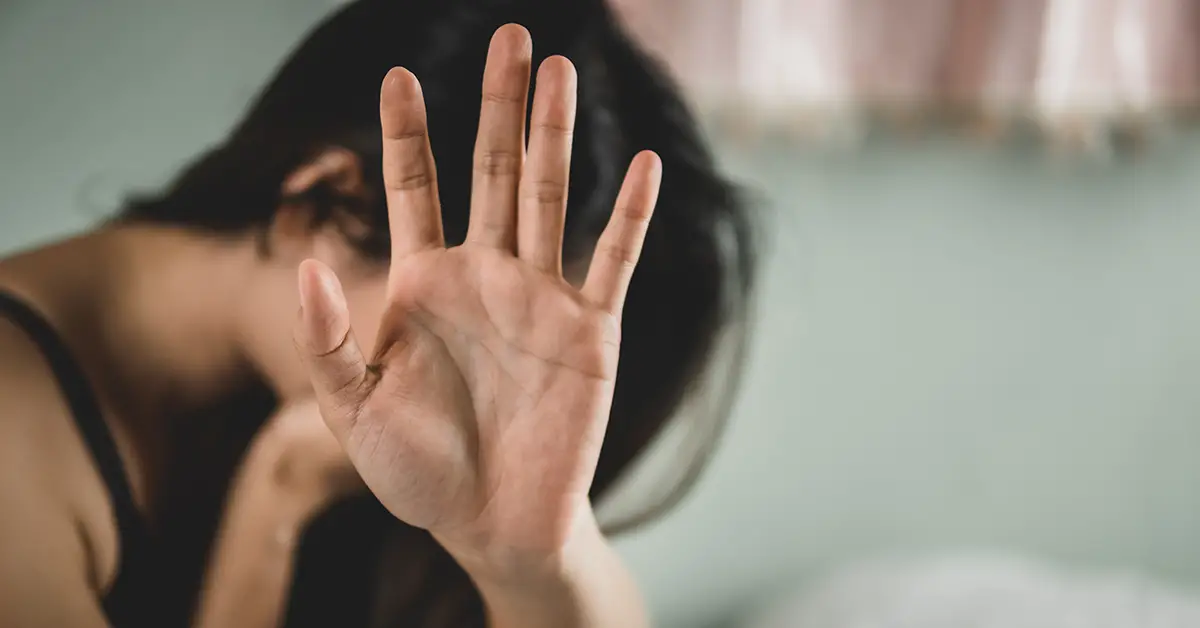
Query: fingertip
[401, 105]
[324, 317]
[642, 183]
[559, 68]
[319, 286]
[649, 162]
[306, 283]
[506, 73]
[399, 84]
[513, 39]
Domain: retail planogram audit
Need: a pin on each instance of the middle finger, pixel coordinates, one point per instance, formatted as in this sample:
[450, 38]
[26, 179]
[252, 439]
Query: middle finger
[500, 145]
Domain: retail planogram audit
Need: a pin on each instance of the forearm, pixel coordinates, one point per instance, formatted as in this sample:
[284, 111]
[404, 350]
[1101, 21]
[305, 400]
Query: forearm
[250, 572]
[590, 588]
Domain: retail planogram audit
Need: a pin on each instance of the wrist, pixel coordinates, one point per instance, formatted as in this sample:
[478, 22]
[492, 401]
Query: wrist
[512, 570]
[582, 584]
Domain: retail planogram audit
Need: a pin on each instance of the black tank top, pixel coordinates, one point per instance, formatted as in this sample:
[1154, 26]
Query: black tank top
[132, 599]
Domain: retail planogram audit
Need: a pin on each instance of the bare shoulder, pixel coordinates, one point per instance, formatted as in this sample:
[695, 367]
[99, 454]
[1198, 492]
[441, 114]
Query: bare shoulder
[34, 418]
[55, 502]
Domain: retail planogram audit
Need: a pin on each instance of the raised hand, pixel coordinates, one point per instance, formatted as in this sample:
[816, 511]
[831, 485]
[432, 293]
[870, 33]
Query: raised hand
[480, 413]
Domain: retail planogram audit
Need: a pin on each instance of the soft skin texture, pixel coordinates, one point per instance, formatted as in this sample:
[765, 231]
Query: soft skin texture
[478, 413]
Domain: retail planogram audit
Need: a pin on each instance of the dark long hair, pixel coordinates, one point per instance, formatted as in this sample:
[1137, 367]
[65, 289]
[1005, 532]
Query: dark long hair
[693, 282]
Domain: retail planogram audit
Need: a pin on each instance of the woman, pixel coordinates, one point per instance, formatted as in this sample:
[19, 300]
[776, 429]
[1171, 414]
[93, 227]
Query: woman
[161, 455]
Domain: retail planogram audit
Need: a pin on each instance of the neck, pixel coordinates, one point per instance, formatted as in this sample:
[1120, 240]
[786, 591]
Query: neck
[173, 318]
[148, 311]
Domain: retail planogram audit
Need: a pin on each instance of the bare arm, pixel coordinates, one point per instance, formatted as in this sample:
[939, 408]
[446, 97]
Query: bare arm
[292, 471]
[43, 563]
[52, 565]
[247, 581]
[588, 587]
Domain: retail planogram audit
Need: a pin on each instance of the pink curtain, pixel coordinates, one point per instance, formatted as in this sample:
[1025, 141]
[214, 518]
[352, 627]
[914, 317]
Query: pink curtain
[1067, 65]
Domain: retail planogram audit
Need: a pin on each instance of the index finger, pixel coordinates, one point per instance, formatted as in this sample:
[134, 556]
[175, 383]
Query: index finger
[409, 174]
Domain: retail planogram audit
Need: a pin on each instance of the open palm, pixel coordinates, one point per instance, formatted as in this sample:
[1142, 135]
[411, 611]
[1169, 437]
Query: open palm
[480, 413]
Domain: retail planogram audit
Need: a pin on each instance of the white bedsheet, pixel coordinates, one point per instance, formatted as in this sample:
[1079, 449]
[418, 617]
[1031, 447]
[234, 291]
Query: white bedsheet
[983, 591]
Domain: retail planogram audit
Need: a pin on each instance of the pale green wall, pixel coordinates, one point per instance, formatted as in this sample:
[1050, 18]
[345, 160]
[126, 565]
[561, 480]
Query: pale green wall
[955, 347]
[98, 99]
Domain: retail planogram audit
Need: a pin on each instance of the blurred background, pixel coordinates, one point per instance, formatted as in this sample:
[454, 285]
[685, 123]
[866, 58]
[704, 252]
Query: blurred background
[978, 338]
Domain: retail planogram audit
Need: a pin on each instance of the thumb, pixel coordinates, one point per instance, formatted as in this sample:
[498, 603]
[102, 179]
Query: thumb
[326, 343]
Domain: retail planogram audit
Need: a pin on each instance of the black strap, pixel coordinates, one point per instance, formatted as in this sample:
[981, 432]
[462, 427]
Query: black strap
[88, 418]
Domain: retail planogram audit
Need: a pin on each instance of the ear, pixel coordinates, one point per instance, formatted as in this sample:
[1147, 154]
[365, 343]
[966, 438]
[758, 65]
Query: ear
[334, 166]
[303, 226]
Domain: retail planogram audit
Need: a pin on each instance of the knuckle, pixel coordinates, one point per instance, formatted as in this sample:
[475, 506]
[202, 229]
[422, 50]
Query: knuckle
[555, 127]
[617, 255]
[347, 386]
[497, 97]
[547, 192]
[346, 398]
[406, 134]
[637, 213]
[498, 163]
[414, 180]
